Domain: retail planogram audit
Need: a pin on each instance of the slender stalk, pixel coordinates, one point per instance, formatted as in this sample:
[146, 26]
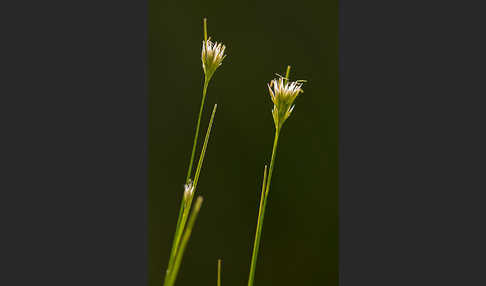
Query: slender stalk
[187, 208]
[203, 152]
[256, 245]
[175, 239]
[205, 21]
[205, 88]
[263, 200]
[182, 233]
[272, 162]
[287, 74]
[274, 150]
[261, 213]
[219, 272]
[180, 220]
[179, 229]
[184, 241]
[186, 205]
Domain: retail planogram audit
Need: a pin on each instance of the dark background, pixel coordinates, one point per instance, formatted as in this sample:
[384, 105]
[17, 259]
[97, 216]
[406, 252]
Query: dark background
[300, 237]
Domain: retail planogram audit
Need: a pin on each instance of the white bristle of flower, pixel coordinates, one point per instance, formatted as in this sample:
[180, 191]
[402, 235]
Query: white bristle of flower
[285, 90]
[212, 56]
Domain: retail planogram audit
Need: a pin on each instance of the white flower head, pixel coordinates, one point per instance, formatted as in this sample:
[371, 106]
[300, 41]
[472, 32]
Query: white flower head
[283, 95]
[212, 56]
[188, 190]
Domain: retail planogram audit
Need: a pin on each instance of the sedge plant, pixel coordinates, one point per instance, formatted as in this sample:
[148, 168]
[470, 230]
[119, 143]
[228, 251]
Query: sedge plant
[283, 94]
[212, 56]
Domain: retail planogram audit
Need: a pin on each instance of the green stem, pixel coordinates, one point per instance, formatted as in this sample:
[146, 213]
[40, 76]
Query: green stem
[287, 74]
[272, 162]
[206, 83]
[185, 240]
[256, 243]
[261, 212]
[187, 202]
[219, 272]
[186, 208]
[203, 151]
[205, 29]
[175, 239]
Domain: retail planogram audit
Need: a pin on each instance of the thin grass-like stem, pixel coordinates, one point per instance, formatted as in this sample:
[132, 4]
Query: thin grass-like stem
[174, 240]
[272, 161]
[186, 207]
[219, 272]
[261, 213]
[287, 74]
[182, 233]
[206, 140]
[205, 21]
[196, 135]
[258, 234]
[263, 200]
[205, 88]
[184, 241]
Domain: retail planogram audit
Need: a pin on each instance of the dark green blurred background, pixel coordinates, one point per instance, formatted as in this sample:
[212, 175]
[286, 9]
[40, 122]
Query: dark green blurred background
[300, 234]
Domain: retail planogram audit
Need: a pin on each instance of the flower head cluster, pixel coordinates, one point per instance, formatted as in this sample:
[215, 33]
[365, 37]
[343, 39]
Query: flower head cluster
[283, 95]
[212, 56]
